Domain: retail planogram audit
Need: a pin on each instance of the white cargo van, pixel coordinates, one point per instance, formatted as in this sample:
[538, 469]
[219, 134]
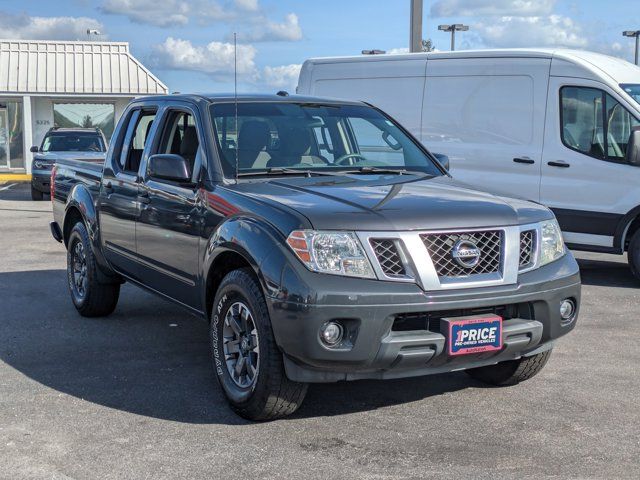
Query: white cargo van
[554, 126]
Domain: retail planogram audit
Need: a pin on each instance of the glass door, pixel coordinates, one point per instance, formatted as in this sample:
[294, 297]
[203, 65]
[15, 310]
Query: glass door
[4, 138]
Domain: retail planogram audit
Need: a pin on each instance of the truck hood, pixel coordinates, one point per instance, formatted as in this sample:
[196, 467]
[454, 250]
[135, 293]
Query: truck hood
[392, 203]
[86, 156]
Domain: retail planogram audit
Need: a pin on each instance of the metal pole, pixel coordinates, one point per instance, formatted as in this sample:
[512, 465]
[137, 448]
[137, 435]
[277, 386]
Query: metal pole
[453, 39]
[637, 46]
[415, 39]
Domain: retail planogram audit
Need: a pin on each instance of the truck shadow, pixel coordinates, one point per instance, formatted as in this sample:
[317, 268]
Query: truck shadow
[150, 357]
[607, 273]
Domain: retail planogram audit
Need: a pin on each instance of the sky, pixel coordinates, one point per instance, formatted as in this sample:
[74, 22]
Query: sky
[188, 44]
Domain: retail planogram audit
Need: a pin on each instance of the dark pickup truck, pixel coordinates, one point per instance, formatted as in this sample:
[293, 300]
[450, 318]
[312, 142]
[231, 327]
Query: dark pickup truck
[319, 239]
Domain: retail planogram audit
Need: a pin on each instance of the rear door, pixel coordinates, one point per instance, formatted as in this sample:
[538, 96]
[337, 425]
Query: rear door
[169, 227]
[585, 179]
[119, 207]
[487, 115]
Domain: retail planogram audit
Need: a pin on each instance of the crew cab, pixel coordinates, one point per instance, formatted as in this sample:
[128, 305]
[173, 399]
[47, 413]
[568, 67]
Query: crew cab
[320, 240]
[85, 144]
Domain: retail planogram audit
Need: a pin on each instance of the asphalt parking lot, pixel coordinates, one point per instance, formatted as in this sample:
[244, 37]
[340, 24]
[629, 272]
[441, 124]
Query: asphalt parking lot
[132, 395]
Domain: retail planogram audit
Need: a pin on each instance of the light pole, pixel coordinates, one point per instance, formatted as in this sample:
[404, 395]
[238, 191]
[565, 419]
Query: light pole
[636, 34]
[415, 36]
[456, 27]
[91, 31]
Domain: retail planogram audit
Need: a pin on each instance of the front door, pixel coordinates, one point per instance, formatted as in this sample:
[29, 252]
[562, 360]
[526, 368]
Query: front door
[169, 228]
[120, 206]
[585, 179]
[4, 139]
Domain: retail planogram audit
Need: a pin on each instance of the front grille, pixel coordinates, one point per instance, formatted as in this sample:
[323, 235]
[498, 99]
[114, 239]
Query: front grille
[387, 254]
[441, 246]
[527, 239]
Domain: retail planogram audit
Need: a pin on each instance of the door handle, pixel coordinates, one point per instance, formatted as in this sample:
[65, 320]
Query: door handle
[108, 187]
[143, 197]
[526, 160]
[559, 164]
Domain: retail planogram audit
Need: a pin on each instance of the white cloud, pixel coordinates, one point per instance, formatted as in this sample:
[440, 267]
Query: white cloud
[543, 31]
[283, 76]
[482, 8]
[263, 31]
[252, 23]
[47, 28]
[161, 14]
[215, 58]
[392, 51]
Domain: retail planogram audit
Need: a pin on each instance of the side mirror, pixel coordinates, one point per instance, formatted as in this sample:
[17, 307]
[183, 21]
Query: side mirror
[167, 166]
[633, 148]
[443, 159]
[35, 149]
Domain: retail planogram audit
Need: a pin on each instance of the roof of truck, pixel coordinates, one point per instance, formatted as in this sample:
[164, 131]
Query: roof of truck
[247, 97]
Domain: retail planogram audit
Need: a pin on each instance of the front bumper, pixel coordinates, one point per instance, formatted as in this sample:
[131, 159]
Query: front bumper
[372, 309]
[41, 180]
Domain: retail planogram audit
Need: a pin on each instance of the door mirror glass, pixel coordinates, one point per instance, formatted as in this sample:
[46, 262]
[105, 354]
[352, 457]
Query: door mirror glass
[35, 149]
[633, 148]
[443, 160]
[171, 167]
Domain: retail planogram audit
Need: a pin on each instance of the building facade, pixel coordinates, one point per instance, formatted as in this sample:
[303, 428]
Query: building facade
[44, 84]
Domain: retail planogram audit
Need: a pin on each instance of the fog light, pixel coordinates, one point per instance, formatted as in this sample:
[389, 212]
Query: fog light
[331, 333]
[567, 308]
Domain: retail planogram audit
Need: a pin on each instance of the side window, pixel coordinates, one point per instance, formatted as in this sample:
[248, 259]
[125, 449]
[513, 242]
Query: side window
[620, 124]
[135, 140]
[595, 123]
[376, 144]
[180, 137]
[581, 117]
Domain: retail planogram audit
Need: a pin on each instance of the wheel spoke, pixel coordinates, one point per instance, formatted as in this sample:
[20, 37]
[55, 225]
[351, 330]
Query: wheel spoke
[233, 346]
[240, 365]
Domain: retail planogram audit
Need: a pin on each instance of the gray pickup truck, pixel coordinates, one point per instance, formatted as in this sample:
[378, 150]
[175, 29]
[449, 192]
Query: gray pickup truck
[321, 242]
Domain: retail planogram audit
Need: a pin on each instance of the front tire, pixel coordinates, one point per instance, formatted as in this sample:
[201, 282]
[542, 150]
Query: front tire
[633, 254]
[511, 372]
[90, 297]
[36, 195]
[246, 360]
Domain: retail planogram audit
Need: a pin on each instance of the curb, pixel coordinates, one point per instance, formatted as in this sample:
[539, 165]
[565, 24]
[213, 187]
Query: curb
[14, 177]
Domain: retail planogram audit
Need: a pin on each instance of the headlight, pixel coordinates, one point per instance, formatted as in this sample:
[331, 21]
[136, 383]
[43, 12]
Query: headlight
[337, 253]
[551, 244]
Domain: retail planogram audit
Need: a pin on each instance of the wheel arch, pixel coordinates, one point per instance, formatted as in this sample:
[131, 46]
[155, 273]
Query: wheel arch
[627, 227]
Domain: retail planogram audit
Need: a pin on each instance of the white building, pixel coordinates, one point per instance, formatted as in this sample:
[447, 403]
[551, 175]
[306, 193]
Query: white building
[50, 83]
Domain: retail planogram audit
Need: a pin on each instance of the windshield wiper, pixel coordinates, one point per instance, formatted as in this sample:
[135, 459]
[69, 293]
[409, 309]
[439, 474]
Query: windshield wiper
[397, 171]
[285, 171]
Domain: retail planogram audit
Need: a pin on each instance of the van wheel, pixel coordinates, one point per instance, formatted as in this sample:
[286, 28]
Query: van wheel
[91, 298]
[247, 362]
[633, 254]
[511, 372]
[36, 195]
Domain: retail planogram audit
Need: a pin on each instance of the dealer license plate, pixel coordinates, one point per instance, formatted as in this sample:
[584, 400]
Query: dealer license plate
[467, 335]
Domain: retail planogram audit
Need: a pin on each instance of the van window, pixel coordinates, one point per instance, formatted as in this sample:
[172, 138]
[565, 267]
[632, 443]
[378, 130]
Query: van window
[594, 123]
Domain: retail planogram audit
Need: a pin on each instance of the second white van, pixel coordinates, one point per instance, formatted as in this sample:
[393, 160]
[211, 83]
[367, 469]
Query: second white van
[559, 127]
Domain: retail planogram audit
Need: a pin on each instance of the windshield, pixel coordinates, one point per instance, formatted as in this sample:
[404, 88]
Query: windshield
[322, 138]
[632, 90]
[73, 142]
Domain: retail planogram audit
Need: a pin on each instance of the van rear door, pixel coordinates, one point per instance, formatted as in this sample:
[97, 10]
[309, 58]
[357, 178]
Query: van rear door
[487, 115]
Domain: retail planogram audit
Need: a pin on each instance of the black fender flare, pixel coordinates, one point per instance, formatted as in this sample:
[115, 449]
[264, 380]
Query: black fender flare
[80, 198]
[250, 237]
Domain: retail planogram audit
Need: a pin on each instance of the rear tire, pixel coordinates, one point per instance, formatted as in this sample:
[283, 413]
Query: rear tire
[511, 372]
[36, 195]
[90, 297]
[633, 254]
[246, 359]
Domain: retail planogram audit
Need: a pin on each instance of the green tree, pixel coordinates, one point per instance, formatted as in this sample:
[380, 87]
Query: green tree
[87, 122]
[428, 46]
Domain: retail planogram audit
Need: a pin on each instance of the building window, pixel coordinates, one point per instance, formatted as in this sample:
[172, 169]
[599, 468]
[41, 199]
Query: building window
[11, 135]
[85, 115]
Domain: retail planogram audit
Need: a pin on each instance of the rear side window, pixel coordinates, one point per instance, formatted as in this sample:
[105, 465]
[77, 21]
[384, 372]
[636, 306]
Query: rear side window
[135, 140]
[594, 123]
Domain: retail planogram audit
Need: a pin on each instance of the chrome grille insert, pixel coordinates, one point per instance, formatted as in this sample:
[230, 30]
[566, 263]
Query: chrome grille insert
[387, 254]
[527, 239]
[442, 246]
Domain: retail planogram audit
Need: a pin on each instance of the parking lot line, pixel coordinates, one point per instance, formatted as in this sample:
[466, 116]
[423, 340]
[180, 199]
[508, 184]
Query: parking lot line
[7, 187]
